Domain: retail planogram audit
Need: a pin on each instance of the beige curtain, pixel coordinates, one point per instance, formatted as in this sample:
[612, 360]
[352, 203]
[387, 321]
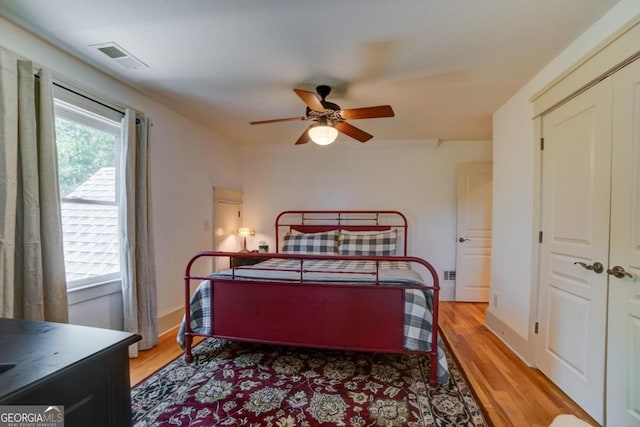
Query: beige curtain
[31, 251]
[137, 261]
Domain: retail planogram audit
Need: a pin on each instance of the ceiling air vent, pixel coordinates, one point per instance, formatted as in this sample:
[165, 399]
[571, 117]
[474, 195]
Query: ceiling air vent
[119, 55]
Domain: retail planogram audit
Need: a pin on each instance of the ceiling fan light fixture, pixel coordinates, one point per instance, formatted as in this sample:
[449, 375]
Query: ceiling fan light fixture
[328, 118]
[323, 134]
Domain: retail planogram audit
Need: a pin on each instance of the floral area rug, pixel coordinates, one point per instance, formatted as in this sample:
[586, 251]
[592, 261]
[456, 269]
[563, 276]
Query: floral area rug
[241, 384]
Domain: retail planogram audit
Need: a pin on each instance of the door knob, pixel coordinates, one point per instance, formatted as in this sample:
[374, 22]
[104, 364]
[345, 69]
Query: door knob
[596, 267]
[619, 272]
[462, 239]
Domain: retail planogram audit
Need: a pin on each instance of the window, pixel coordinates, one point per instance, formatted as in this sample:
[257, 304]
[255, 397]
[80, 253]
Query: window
[88, 150]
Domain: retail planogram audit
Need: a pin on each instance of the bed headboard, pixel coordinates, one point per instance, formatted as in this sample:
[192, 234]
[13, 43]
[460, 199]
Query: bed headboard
[319, 221]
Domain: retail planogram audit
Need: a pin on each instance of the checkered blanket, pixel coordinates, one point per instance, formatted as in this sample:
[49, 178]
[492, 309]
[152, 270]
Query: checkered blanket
[418, 303]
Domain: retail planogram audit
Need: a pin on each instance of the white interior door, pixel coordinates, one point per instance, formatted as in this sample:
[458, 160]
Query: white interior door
[473, 252]
[623, 348]
[227, 213]
[575, 223]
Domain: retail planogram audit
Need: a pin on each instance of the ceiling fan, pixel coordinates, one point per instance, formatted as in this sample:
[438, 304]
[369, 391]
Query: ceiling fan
[329, 119]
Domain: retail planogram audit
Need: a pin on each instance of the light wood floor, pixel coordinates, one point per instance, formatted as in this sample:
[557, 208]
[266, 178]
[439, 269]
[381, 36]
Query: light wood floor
[511, 393]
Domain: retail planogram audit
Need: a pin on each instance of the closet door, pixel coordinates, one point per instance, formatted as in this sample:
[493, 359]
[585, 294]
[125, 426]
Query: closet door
[623, 349]
[575, 223]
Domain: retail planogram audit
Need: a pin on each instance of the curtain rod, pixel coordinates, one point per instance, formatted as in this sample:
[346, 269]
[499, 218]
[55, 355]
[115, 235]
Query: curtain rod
[117, 110]
[88, 98]
[84, 96]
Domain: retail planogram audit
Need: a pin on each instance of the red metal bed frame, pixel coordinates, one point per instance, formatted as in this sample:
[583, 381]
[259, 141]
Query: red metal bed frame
[356, 317]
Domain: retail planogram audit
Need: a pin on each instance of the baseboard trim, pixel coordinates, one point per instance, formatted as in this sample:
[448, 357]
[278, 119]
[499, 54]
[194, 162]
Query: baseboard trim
[170, 319]
[513, 339]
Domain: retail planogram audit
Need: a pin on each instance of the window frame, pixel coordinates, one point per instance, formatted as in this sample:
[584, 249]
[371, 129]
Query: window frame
[66, 109]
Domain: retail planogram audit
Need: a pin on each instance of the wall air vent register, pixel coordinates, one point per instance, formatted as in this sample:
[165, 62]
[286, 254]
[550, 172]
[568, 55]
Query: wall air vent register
[119, 55]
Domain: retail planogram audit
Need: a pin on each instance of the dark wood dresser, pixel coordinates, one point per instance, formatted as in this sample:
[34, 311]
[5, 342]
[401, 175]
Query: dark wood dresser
[85, 369]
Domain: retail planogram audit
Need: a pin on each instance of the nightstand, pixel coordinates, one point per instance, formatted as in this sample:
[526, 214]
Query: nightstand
[248, 260]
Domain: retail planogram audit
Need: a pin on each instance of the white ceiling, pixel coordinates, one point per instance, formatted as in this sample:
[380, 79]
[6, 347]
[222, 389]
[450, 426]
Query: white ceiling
[444, 65]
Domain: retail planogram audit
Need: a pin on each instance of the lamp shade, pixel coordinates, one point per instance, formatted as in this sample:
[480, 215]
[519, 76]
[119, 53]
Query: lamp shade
[246, 231]
[323, 135]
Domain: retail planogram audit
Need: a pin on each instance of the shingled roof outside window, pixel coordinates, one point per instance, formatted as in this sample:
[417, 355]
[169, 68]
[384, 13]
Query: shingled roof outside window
[91, 242]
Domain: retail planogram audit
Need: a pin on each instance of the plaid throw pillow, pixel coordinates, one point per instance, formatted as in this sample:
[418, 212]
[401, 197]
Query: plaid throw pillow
[368, 244]
[311, 243]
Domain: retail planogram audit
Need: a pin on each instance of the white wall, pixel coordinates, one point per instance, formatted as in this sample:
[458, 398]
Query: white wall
[186, 161]
[387, 175]
[515, 210]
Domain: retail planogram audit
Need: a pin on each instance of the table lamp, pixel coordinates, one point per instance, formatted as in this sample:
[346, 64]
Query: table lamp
[244, 232]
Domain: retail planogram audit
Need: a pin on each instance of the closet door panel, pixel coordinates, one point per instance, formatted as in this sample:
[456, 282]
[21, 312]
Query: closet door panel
[575, 223]
[623, 349]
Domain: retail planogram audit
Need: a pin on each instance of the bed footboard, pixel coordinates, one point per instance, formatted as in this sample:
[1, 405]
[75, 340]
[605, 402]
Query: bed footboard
[355, 317]
[323, 316]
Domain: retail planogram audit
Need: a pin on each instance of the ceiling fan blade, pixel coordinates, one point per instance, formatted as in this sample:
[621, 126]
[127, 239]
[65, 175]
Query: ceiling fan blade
[290, 119]
[367, 112]
[304, 138]
[311, 99]
[352, 131]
